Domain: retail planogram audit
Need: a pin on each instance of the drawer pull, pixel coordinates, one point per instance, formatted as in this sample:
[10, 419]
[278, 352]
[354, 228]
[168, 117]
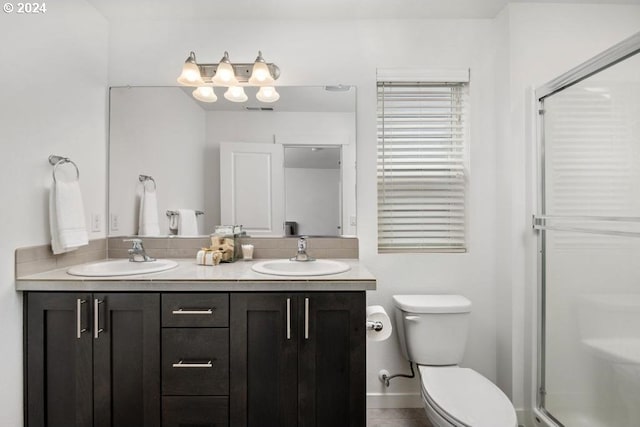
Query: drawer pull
[208, 311]
[183, 364]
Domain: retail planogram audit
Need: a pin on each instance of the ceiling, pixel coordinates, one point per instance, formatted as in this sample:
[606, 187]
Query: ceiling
[312, 9]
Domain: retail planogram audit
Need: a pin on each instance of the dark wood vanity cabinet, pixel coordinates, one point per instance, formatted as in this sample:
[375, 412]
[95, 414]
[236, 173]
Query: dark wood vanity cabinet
[92, 359]
[297, 359]
[195, 359]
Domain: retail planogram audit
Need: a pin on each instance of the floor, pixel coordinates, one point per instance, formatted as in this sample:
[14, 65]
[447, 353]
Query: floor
[410, 417]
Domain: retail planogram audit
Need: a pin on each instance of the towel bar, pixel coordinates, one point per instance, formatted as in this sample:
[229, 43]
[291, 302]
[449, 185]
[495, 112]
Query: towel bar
[175, 213]
[56, 161]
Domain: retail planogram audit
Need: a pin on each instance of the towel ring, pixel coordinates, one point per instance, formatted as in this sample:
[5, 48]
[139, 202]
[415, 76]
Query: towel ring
[144, 178]
[56, 161]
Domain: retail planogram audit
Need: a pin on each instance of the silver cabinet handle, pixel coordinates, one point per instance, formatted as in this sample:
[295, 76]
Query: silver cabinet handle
[288, 318]
[96, 318]
[79, 328]
[183, 311]
[306, 318]
[183, 364]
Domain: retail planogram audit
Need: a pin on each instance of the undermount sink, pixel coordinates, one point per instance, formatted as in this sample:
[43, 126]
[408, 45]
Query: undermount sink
[121, 267]
[285, 267]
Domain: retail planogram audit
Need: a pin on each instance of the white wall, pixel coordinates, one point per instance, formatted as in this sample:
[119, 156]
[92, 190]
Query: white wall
[158, 132]
[53, 78]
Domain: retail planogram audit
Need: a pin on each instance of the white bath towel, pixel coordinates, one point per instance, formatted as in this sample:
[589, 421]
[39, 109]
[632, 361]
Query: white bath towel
[187, 223]
[66, 217]
[148, 223]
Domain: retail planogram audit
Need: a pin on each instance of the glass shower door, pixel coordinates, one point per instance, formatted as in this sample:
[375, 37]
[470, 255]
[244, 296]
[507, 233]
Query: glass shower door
[589, 222]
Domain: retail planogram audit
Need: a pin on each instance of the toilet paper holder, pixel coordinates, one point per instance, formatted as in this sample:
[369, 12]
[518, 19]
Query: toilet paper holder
[374, 325]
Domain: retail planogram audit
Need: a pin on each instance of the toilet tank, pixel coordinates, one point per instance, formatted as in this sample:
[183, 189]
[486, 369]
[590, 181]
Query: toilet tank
[432, 329]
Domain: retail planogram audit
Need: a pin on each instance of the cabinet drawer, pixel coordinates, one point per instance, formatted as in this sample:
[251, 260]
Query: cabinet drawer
[195, 310]
[195, 411]
[195, 361]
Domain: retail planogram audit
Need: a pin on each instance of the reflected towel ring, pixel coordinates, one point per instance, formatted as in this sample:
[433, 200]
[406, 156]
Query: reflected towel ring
[144, 178]
[56, 161]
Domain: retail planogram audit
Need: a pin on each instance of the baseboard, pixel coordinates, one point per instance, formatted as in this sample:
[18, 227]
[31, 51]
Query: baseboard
[393, 400]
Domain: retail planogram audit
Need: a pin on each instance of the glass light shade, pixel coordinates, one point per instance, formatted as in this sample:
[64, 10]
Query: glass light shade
[225, 75]
[261, 76]
[236, 94]
[205, 94]
[190, 75]
[267, 94]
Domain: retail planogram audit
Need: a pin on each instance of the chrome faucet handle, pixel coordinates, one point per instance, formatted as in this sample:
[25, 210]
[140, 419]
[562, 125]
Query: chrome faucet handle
[137, 249]
[137, 243]
[302, 251]
[302, 244]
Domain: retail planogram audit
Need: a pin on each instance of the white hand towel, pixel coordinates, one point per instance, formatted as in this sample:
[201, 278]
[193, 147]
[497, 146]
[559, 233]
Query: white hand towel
[148, 223]
[187, 223]
[66, 217]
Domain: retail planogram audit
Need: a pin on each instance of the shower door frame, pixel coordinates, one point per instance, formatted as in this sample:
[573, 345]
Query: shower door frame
[543, 222]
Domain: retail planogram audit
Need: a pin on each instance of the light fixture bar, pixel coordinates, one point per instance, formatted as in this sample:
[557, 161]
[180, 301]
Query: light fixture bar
[242, 71]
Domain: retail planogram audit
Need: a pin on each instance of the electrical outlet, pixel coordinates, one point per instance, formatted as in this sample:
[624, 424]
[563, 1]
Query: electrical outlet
[96, 222]
[115, 222]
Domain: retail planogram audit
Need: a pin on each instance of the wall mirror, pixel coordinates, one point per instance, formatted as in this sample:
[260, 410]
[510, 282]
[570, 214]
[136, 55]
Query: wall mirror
[282, 168]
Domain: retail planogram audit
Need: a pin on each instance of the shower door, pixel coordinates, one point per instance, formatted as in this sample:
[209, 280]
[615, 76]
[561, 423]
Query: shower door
[589, 240]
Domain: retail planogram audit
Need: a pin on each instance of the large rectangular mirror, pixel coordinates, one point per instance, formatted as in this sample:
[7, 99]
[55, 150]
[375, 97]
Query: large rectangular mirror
[286, 168]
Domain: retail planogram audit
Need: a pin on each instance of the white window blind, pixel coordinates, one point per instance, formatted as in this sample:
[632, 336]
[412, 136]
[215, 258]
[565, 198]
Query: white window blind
[421, 166]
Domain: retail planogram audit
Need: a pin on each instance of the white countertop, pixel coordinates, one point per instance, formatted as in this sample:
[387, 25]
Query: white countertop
[188, 276]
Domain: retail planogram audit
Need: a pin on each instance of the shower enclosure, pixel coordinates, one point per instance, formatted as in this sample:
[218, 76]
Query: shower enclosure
[588, 224]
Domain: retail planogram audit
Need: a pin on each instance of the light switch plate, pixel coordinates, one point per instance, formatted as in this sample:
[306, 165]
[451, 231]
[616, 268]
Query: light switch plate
[115, 222]
[96, 222]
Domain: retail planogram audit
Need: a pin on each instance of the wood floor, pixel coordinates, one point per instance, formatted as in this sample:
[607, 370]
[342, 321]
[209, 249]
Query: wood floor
[410, 417]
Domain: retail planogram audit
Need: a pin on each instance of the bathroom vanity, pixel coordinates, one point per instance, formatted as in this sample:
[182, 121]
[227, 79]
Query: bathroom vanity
[196, 346]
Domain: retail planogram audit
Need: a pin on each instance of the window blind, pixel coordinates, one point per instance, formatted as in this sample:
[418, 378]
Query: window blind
[421, 131]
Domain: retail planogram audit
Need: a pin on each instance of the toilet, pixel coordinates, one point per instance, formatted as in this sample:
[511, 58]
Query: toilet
[432, 330]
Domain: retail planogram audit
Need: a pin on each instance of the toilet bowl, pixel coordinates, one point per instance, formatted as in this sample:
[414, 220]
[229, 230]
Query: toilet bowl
[432, 330]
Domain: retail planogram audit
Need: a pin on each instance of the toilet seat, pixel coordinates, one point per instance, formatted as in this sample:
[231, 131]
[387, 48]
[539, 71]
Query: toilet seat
[465, 398]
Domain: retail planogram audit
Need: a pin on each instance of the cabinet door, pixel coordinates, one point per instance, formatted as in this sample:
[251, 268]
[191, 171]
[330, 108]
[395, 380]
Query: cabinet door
[126, 342]
[263, 360]
[332, 360]
[58, 360]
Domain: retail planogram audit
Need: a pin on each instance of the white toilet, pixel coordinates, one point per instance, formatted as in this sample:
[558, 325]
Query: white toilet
[433, 332]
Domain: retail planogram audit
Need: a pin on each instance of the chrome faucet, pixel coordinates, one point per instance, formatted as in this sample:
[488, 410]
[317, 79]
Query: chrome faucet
[137, 252]
[302, 251]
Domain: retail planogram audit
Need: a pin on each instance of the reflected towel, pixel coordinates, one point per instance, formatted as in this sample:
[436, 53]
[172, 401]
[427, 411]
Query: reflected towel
[66, 217]
[187, 223]
[148, 224]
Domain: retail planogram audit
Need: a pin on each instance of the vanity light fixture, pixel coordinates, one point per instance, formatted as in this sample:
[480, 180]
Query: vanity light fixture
[267, 94]
[204, 77]
[204, 94]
